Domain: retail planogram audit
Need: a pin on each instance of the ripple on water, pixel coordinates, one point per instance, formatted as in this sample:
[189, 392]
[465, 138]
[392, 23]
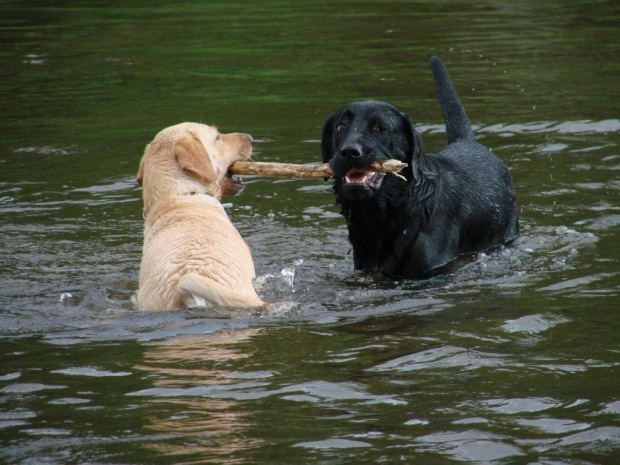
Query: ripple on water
[602, 223]
[17, 417]
[520, 405]
[576, 283]
[441, 358]
[69, 401]
[533, 324]
[612, 408]
[27, 388]
[318, 391]
[91, 372]
[471, 445]
[49, 150]
[313, 391]
[126, 184]
[564, 127]
[333, 443]
[47, 432]
[10, 376]
[598, 440]
[553, 425]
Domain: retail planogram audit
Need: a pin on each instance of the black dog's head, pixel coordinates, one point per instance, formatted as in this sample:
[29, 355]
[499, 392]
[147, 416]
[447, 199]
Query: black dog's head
[361, 133]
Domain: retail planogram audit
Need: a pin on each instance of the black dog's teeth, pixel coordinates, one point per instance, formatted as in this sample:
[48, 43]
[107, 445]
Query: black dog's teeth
[364, 178]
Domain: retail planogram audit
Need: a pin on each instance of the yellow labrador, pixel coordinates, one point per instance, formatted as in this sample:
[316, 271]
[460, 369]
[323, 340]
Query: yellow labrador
[193, 256]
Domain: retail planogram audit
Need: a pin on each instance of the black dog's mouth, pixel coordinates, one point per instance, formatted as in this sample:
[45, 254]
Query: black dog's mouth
[370, 179]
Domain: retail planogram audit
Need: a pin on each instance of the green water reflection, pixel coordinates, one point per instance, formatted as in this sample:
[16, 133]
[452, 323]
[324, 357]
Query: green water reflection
[511, 359]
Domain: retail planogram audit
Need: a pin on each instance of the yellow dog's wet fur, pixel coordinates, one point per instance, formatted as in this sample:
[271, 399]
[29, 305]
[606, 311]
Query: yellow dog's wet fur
[193, 256]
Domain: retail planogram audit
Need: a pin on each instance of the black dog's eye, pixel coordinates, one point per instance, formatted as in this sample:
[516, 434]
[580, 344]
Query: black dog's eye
[341, 127]
[378, 128]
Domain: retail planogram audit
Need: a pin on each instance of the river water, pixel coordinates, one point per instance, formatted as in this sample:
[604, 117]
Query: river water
[513, 357]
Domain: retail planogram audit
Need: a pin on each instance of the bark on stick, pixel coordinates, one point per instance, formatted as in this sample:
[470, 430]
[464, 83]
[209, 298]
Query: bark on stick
[292, 170]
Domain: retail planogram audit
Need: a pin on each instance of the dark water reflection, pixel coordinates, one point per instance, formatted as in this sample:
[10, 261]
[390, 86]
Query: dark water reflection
[511, 358]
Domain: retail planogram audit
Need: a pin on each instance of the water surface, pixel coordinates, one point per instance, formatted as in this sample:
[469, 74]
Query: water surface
[511, 358]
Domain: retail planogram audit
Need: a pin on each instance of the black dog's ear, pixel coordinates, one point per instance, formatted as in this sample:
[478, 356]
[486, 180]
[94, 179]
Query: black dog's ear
[327, 140]
[414, 139]
[415, 144]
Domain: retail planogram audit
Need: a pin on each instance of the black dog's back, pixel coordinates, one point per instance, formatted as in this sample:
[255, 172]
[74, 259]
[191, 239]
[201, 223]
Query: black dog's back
[476, 201]
[490, 216]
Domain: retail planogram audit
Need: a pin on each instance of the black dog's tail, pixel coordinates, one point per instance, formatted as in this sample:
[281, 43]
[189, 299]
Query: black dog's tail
[457, 123]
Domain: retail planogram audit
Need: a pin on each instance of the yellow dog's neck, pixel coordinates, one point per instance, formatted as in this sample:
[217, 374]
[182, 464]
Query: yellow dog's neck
[198, 195]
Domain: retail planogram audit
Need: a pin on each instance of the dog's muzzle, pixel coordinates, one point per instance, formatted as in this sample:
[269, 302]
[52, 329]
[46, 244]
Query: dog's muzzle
[369, 179]
[354, 162]
[351, 157]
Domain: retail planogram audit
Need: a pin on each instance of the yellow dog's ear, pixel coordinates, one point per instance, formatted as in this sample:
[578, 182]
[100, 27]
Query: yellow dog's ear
[193, 158]
[140, 175]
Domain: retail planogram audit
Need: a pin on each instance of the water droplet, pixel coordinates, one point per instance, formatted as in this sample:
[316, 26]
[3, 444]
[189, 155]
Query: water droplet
[289, 275]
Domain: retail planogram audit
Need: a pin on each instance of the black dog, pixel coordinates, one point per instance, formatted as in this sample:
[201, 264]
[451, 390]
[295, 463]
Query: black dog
[455, 202]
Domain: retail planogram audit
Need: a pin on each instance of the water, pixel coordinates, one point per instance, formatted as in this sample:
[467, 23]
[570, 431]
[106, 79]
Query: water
[511, 358]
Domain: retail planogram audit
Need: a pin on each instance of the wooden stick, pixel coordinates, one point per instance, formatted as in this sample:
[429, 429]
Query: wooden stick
[293, 170]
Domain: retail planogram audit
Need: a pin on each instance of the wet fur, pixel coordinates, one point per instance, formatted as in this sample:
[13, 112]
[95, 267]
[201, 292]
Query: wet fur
[457, 201]
[193, 256]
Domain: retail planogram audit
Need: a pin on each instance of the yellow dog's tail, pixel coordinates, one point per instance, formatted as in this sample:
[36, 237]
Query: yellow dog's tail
[199, 291]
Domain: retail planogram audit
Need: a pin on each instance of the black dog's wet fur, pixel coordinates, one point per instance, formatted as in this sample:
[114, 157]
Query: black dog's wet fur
[458, 201]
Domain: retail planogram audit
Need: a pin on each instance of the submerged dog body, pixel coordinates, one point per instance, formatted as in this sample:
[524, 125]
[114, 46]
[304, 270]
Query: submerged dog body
[193, 256]
[458, 201]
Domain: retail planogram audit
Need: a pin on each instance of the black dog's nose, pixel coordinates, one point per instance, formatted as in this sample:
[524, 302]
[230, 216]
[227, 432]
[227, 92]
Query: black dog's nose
[351, 151]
